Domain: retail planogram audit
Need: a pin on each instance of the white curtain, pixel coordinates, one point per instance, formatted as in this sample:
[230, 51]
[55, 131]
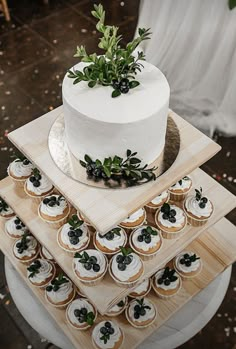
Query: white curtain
[194, 44]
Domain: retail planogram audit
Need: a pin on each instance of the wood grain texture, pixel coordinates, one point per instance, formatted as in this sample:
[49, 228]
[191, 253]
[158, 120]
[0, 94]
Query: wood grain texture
[217, 250]
[107, 293]
[106, 207]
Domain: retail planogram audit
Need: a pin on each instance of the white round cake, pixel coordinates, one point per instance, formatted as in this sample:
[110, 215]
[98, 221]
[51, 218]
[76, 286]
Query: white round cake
[101, 126]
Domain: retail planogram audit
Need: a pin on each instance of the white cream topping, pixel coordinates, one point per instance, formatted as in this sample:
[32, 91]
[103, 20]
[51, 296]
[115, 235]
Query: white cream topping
[134, 216]
[10, 227]
[78, 304]
[131, 269]
[62, 294]
[45, 186]
[7, 212]
[46, 254]
[150, 313]
[32, 246]
[114, 244]
[115, 337]
[173, 285]
[116, 308]
[82, 239]
[45, 272]
[91, 273]
[56, 210]
[192, 205]
[180, 218]
[159, 198]
[155, 239]
[182, 267]
[185, 184]
[143, 287]
[18, 169]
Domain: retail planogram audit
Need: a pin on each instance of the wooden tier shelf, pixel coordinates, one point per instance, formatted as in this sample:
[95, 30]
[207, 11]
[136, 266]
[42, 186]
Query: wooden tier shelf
[217, 250]
[107, 293]
[104, 208]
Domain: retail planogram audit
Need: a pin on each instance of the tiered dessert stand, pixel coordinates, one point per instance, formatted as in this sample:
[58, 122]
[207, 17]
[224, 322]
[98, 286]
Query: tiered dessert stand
[215, 242]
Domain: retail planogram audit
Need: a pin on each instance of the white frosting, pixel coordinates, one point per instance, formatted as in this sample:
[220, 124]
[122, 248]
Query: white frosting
[182, 267]
[115, 337]
[117, 124]
[116, 308]
[30, 252]
[180, 218]
[155, 239]
[143, 287]
[8, 212]
[45, 271]
[173, 285]
[91, 273]
[46, 254]
[131, 269]
[45, 186]
[185, 184]
[78, 303]
[82, 239]
[18, 169]
[56, 210]
[10, 227]
[192, 205]
[159, 198]
[134, 216]
[62, 294]
[114, 244]
[150, 313]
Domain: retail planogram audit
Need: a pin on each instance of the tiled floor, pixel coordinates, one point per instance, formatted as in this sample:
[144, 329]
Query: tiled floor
[36, 49]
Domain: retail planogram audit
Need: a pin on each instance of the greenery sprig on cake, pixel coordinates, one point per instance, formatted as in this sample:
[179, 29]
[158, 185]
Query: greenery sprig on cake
[3, 206]
[117, 67]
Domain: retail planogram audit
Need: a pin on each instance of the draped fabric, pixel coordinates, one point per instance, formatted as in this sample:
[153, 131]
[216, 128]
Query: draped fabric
[194, 43]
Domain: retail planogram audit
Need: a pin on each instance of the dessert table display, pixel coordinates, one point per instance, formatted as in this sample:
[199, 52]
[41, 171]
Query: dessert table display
[113, 243]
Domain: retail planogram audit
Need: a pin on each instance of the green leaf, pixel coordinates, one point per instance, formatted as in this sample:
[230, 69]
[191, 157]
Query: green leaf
[133, 84]
[116, 93]
[82, 163]
[232, 4]
[128, 152]
[86, 256]
[135, 161]
[87, 159]
[107, 171]
[91, 84]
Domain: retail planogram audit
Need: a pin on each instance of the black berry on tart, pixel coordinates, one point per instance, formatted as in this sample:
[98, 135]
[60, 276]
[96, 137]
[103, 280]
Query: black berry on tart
[180, 189]
[5, 210]
[107, 334]
[81, 314]
[54, 210]
[41, 272]
[15, 228]
[110, 242]
[141, 313]
[166, 282]
[188, 264]
[26, 249]
[38, 185]
[60, 291]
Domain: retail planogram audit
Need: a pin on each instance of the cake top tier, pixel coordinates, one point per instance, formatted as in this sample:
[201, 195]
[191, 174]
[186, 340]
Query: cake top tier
[145, 100]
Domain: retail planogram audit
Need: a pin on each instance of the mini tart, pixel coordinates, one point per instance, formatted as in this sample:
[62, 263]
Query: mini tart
[132, 273]
[163, 290]
[197, 216]
[19, 170]
[142, 318]
[180, 189]
[118, 308]
[41, 272]
[63, 296]
[115, 340]
[54, 215]
[5, 210]
[30, 253]
[134, 220]
[38, 188]
[78, 240]
[141, 290]
[92, 276]
[110, 242]
[44, 254]
[171, 230]
[158, 201]
[86, 221]
[149, 245]
[186, 268]
[73, 316]
[15, 228]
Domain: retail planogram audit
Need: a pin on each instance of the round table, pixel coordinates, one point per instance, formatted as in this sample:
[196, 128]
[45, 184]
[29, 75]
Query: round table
[187, 322]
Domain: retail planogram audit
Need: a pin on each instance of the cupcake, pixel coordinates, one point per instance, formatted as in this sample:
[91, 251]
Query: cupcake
[107, 335]
[26, 249]
[5, 210]
[60, 292]
[187, 264]
[126, 268]
[73, 236]
[118, 308]
[86, 221]
[141, 313]
[90, 266]
[141, 290]
[166, 283]
[179, 190]
[81, 314]
[171, 220]
[45, 254]
[110, 242]
[134, 220]
[37, 186]
[198, 209]
[158, 201]
[146, 241]
[19, 170]
[54, 210]
[15, 228]
[41, 272]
